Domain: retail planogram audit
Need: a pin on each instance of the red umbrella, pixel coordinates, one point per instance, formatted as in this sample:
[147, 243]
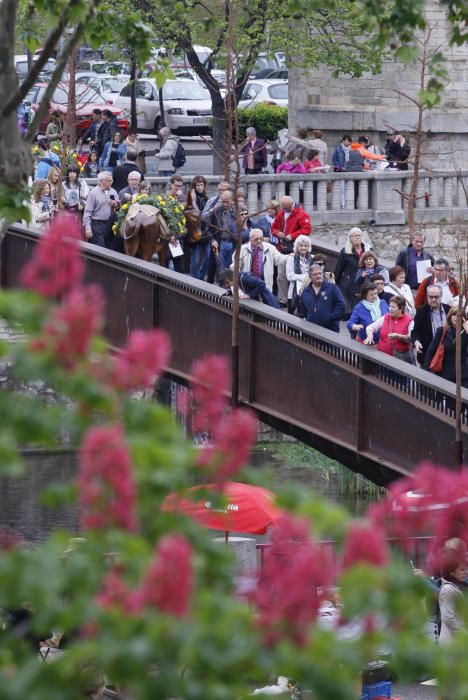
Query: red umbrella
[248, 509]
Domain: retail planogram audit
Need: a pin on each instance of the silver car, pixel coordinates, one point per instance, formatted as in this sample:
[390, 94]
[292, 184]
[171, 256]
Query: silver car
[107, 86]
[187, 106]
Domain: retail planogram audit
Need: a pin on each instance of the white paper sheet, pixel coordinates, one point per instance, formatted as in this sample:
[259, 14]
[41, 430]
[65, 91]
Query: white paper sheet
[421, 269]
[176, 250]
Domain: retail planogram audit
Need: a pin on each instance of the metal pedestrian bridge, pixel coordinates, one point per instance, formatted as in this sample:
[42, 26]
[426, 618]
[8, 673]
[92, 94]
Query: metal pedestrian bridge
[376, 415]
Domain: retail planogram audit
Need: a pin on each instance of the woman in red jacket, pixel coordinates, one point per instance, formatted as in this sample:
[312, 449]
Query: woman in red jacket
[395, 331]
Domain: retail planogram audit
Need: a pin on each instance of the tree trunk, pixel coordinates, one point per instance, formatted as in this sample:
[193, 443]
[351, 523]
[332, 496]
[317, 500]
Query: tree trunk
[219, 133]
[15, 155]
[71, 106]
[133, 91]
[162, 118]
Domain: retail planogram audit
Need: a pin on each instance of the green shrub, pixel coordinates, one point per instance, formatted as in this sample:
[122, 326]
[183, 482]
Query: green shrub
[265, 118]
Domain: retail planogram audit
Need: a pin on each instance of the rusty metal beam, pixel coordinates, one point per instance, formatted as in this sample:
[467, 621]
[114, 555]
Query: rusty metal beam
[369, 411]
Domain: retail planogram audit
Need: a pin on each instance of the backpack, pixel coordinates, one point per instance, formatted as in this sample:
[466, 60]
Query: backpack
[179, 158]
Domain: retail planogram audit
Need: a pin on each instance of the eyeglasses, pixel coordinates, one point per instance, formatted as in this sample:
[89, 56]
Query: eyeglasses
[257, 239]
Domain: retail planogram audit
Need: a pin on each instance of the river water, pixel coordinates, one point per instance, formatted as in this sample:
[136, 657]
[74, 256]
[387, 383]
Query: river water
[21, 509]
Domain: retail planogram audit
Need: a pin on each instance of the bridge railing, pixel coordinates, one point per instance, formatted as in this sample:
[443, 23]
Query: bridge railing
[358, 405]
[351, 198]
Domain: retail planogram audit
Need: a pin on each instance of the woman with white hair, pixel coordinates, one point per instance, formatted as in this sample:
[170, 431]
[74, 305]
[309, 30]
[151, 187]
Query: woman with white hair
[297, 269]
[347, 266]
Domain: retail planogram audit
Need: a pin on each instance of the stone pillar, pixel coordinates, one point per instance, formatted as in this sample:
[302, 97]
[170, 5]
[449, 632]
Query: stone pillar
[448, 192]
[294, 190]
[461, 192]
[280, 189]
[434, 191]
[388, 203]
[245, 551]
[420, 189]
[349, 194]
[322, 195]
[266, 193]
[363, 199]
[308, 196]
[336, 195]
[252, 196]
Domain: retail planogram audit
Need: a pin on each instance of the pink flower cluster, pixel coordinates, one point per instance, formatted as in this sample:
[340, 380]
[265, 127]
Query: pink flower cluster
[433, 501]
[364, 544]
[210, 383]
[287, 596]
[68, 333]
[105, 482]
[56, 266]
[141, 361]
[167, 586]
[232, 433]
[9, 540]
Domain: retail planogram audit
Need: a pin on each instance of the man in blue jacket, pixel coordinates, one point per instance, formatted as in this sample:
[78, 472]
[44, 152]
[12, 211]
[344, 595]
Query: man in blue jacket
[322, 302]
[341, 154]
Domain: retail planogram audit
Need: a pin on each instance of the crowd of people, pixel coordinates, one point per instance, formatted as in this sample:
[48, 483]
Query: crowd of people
[308, 153]
[405, 310]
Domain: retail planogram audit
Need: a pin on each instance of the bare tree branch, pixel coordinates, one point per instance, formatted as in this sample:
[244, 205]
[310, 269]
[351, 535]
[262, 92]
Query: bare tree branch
[50, 46]
[57, 74]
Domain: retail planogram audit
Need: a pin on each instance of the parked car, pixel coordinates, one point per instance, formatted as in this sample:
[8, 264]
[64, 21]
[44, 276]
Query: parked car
[94, 66]
[187, 106]
[21, 66]
[273, 92]
[107, 86]
[86, 100]
[271, 61]
[268, 74]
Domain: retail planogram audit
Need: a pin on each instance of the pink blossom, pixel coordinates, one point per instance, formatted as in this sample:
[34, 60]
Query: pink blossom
[142, 360]
[9, 540]
[105, 481]
[168, 583]
[68, 334]
[56, 266]
[233, 438]
[433, 501]
[287, 596]
[209, 385]
[114, 593]
[364, 544]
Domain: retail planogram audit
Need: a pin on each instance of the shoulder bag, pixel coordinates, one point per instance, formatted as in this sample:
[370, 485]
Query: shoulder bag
[438, 357]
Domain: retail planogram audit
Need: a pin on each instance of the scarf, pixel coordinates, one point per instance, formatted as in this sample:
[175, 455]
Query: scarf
[45, 203]
[373, 307]
[301, 265]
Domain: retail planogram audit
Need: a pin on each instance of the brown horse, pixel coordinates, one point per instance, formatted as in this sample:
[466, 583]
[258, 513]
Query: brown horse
[145, 232]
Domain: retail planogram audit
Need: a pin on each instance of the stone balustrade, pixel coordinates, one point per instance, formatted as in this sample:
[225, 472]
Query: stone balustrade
[354, 198]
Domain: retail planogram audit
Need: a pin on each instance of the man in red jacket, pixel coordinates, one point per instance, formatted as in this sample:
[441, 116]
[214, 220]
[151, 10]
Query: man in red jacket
[290, 222]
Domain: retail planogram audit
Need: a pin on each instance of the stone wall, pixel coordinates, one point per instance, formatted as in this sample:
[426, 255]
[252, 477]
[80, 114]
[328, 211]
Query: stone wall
[443, 240]
[372, 105]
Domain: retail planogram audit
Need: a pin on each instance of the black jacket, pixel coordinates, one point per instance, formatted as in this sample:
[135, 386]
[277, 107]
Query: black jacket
[346, 268]
[121, 173]
[448, 365]
[403, 258]
[422, 330]
[398, 155]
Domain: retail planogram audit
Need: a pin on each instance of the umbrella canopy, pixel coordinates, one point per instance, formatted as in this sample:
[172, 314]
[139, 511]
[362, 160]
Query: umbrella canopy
[248, 509]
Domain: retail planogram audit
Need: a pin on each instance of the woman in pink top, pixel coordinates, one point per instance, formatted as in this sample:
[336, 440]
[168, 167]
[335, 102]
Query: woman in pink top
[293, 165]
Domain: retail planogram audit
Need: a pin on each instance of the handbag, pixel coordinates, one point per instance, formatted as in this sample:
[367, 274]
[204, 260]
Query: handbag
[438, 357]
[286, 246]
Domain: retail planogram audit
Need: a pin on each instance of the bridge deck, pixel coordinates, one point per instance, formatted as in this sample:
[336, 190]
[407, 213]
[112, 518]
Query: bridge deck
[372, 413]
